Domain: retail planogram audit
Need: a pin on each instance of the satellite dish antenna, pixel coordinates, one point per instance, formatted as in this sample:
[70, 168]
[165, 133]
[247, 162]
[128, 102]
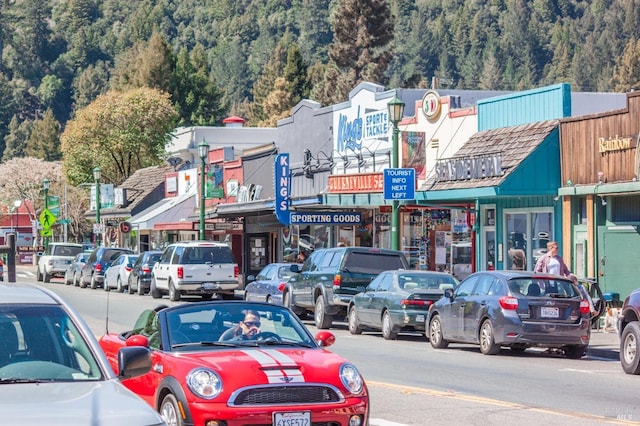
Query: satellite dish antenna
[174, 161]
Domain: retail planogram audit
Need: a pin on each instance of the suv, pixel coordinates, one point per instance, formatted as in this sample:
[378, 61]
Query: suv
[201, 268]
[100, 259]
[329, 278]
[629, 329]
[56, 259]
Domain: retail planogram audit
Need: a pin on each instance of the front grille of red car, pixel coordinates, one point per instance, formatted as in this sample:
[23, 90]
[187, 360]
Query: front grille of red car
[285, 395]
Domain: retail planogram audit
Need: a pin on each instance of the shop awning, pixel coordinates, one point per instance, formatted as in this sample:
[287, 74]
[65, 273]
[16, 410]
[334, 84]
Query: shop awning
[175, 209]
[253, 208]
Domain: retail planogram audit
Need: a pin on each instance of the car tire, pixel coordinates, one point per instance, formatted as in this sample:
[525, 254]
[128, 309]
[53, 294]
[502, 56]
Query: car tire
[169, 411]
[487, 342]
[119, 286]
[105, 284]
[575, 351]
[38, 275]
[139, 288]
[630, 348]
[82, 283]
[174, 294]
[387, 327]
[93, 284]
[436, 337]
[269, 299]
[129, 287]
[286, 301]
[46, 277]
[354, 324]
[155, 293]
[321, 318]
[76, 283]
[66, 281]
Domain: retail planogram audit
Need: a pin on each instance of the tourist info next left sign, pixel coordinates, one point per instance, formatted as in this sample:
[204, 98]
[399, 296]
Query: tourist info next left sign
[399, 184]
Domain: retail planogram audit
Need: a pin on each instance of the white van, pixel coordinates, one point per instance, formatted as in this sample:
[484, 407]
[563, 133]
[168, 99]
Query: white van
[55, 259]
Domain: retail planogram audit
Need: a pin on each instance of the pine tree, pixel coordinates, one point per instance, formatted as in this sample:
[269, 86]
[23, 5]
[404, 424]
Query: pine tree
[44, 140]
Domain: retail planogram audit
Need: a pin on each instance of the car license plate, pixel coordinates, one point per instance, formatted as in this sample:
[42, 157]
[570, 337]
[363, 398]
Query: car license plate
[208, 286]
[300, 418]
[547, 312]
[419, 318]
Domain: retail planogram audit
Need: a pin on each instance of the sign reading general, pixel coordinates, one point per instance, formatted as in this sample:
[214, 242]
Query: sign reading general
[318, 218]
[399, 184]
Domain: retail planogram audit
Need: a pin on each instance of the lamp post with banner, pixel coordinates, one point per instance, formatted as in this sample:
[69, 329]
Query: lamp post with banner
[396, 109]
[203, 153]
[97, 174]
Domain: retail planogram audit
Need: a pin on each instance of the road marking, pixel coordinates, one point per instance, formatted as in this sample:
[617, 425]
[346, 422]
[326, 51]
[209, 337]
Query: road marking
[496, 402]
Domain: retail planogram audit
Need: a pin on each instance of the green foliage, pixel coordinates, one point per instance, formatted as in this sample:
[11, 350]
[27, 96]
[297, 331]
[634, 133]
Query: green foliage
[44, 140]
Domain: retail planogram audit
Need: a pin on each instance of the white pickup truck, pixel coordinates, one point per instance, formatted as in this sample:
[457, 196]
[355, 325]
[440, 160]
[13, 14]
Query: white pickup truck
[55, 260]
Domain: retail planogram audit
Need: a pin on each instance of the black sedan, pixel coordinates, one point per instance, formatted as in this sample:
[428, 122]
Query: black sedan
[515, 309]
[397, 301]
[140, 275]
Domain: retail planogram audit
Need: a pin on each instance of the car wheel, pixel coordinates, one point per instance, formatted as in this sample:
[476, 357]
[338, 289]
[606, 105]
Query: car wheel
[174, 295]
[46, 277]
[286, 301]
[93, 283]
[269, 299]
[487, 343]
[155, 293]
[119, 286]
[575, 352]
[354, 324]
[169, 411]
[105, 284]
[322, 320]
[66, 281]
[129, 286]
[387, 327]
[139, 288]
[38, 275]
[76, 283]
[82, 283]
[630, 348]
[435, 333]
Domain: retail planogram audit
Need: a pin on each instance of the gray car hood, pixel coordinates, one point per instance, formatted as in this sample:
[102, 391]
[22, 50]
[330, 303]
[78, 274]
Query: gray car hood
[105, 403]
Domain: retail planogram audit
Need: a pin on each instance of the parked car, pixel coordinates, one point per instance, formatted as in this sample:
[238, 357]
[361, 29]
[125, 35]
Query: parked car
[55, 259]
[329, 278]
[516, 309]
[201, 268]
[629, 329]
[54, 372]
[282, 375]
[99, 260]
[140, 275]
[72, 274]
[267, 286]
[117, 275]
[397, 301]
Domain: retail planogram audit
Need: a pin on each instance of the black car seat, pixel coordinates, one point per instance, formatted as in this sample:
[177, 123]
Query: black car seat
[8, 343]
[533, 290]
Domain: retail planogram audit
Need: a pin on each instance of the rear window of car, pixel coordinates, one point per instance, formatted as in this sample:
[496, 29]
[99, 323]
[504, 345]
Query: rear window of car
[113, 254]
[70, 251]
[372, 263]
[208, 254]
[543, 288]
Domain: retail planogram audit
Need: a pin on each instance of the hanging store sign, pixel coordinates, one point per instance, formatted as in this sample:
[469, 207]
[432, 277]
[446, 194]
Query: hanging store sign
[365, 182]
[282, 186]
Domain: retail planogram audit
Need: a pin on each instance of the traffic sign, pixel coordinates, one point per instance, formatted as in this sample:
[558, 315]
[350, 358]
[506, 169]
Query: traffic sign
[47, 219]
[97, 228]
[64, 221]
[46, 232]
[399, 184]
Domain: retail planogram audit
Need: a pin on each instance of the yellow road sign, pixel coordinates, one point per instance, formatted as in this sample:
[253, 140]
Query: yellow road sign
[48, 232]
[47, 219]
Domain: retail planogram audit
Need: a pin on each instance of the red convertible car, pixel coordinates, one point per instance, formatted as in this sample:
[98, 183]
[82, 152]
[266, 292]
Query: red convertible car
[233, 363]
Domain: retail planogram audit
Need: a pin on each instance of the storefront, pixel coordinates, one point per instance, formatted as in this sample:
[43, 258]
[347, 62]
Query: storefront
[601, 195]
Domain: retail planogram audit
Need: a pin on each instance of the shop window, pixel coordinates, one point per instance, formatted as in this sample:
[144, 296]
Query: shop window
[527, 235]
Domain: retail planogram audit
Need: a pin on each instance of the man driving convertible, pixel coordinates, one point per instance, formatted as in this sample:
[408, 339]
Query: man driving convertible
[249, 327]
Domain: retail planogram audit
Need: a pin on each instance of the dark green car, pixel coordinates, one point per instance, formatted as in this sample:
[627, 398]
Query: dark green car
[329, 278]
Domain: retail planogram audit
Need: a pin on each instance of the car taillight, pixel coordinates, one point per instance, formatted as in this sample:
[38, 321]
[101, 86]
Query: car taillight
[127, 268]
[98, 268]
[508, 302]
[180, 272]
[336, 281]
[236, 271]
[146, 269]
[415, 302]
[584, 307]
[281, 287]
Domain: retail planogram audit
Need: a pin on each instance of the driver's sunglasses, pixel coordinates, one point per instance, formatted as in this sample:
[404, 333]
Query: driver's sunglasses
[252, 323]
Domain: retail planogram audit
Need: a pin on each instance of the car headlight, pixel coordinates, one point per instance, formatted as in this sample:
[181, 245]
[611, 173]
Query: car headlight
[204, 383]
[351, 378]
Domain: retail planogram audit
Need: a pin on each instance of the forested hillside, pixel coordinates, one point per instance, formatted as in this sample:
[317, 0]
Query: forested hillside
[257, 58]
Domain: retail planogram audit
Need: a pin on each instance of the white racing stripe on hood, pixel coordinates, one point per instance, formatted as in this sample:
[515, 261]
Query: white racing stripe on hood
[270, 360]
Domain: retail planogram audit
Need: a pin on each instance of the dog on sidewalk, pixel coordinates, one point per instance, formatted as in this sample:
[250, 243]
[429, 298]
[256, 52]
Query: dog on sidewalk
[611, 320]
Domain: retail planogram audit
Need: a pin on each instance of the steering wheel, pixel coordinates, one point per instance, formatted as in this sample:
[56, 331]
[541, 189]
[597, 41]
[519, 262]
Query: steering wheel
[267, 336]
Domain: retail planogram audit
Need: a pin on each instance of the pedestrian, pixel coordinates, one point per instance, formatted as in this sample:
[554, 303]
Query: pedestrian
[551, 262]
[302, 256]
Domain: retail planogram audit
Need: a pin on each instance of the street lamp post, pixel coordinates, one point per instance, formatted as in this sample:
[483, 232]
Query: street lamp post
[45, 186]
[396, 109]
[203, 152]
[97, 174]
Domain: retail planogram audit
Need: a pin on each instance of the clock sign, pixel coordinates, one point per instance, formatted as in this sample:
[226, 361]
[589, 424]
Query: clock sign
[431, 104]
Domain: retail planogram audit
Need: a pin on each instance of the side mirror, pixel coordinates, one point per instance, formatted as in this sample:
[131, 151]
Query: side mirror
[448, 293]
[325, 339]
[133, 361]
[250, 278]
[295, 268]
